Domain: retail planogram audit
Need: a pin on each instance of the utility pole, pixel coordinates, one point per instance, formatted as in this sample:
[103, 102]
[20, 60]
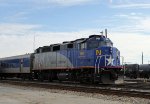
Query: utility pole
[142, 57]
[34, 43]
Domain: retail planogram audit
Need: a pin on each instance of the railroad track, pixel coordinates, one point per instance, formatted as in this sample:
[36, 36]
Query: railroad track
[119, 90]
[138, 80]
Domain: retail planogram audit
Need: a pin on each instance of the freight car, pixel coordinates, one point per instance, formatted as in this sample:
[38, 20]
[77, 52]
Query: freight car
[132, 70]
[92, 59]
[144, 71]
[138, 71]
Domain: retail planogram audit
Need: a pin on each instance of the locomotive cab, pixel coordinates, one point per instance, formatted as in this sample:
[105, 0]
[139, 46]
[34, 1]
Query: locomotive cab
[95, 41]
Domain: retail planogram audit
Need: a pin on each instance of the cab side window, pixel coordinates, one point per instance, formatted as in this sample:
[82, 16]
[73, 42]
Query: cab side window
[83, 46]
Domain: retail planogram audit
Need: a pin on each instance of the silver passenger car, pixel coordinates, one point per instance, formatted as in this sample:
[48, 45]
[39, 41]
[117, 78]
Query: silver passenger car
[15, 64]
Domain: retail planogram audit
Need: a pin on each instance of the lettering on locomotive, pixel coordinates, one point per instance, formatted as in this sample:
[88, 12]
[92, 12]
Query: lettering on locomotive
[98, 52]
[82, 53]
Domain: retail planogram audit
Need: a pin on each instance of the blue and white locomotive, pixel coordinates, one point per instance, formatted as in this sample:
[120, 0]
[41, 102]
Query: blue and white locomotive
[92, 59]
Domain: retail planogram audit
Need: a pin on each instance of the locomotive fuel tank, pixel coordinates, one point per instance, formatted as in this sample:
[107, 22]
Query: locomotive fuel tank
[63, 76]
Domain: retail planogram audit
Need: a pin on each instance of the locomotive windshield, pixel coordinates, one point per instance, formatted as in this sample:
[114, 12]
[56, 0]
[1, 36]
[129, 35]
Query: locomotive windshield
[98, 42]
[93, 44]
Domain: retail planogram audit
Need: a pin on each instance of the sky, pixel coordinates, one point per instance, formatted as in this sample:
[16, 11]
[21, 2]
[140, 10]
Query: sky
[28, 24]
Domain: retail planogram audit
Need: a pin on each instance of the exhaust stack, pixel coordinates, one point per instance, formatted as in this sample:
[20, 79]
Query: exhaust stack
[142, 57]
[106, 33]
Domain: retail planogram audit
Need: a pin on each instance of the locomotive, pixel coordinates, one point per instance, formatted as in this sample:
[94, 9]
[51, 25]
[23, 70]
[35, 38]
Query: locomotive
[137, 71]
[85, 60]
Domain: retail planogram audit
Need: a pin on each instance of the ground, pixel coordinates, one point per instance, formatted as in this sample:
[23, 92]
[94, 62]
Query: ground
[11, 94]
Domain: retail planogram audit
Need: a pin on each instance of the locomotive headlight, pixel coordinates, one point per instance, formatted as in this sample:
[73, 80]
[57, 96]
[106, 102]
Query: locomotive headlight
[111, 49]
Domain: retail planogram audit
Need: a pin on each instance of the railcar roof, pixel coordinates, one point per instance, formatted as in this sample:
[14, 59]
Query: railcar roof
[96, 36]
[55, 44]
[16, 57]
[81, 40]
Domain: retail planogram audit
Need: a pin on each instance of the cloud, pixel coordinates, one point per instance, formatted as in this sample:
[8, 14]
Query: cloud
[135, 22]
[70, 2]
[17, 16]
[19, 39]
[144, 24]
[110, 1]
[132, 6]
[46, 2]
[130, 3]
[14, 18]
[15, 45]
[16, 29]
[20, 44]
[132, 15]
[132, 45]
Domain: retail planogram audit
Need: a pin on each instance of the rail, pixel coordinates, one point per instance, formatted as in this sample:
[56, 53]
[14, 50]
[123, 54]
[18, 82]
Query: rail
[131, 90]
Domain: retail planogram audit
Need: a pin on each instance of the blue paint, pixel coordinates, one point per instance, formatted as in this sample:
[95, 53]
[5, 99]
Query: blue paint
[88, 57]
[15, 63]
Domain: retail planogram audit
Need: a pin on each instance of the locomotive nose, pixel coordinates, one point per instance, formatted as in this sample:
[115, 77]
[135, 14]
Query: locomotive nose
[107, 56]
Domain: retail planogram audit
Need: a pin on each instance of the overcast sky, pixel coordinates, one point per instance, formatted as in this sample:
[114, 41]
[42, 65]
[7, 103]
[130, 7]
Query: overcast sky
[55, 21]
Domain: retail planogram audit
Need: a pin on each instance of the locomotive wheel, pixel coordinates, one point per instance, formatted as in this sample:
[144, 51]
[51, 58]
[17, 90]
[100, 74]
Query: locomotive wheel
[147, 76]
[50, 78]
[135, 77]
[40, 77]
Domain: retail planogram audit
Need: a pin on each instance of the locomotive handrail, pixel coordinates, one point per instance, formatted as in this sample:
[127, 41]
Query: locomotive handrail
[97, 62]
[99, 57]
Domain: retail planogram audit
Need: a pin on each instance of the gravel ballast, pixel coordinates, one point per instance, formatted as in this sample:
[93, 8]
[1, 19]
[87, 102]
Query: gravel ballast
[12, 94]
